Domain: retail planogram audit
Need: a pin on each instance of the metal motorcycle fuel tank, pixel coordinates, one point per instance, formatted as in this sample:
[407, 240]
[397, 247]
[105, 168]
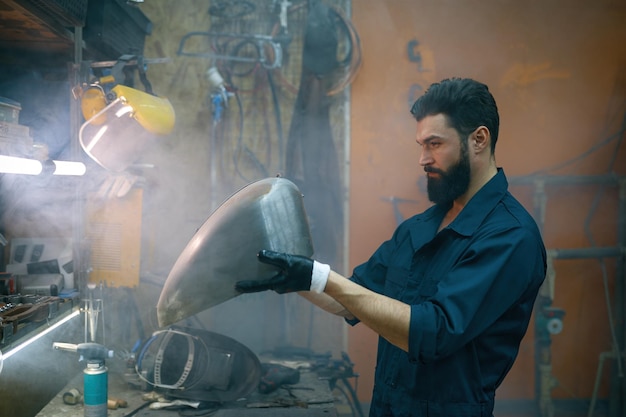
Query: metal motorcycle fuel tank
[266, 214]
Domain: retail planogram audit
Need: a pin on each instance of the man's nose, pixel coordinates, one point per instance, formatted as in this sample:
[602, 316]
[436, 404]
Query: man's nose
[425, 157]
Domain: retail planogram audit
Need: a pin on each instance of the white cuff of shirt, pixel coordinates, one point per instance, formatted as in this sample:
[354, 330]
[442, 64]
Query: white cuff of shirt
[319, 277]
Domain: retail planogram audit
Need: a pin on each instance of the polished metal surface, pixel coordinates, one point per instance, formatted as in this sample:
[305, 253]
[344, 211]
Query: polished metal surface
[267, 214]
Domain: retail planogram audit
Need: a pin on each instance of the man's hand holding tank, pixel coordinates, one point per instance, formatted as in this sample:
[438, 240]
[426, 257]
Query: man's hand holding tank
[296, 273]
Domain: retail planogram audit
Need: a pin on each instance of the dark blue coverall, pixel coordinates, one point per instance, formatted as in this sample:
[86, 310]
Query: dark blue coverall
[471, 288]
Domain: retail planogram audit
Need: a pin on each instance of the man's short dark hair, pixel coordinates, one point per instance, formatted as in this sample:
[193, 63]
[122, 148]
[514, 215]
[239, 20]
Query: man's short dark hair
[466, 103]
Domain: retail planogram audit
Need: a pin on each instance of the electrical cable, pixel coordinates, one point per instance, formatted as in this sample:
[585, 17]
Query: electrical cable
[242, 147]
[351, 63]
[229, 73]
[279, 123]
[353, 59]
[239, 137]
[235, 52]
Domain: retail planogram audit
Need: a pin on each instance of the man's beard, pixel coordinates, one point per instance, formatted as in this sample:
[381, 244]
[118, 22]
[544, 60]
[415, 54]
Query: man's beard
[452, 183]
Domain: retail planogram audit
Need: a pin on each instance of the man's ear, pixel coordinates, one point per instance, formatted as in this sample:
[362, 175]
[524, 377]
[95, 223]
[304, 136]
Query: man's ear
[480, 139]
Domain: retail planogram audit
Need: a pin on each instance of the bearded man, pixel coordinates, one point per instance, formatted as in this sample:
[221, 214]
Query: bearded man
[452, 291]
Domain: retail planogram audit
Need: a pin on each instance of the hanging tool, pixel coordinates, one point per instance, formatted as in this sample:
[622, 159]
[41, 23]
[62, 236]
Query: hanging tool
[268, 49]
[219, 94]
[311, 157]
[276, 375]
[282, 15]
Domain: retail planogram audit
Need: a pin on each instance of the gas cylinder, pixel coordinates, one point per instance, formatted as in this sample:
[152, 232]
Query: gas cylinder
[95, 389]
[95, 385]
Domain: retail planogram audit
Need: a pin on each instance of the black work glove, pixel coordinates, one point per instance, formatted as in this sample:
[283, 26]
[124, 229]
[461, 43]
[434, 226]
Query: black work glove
[296, 274]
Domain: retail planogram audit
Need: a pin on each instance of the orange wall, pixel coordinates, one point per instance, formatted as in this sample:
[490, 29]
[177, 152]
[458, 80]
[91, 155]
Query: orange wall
[558, 73]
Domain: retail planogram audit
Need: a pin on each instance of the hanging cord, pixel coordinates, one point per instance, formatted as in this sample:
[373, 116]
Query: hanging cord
[351, 63]
[279, 123]
[243, 148]
[240, 146]
[353, 58]
[230, 72]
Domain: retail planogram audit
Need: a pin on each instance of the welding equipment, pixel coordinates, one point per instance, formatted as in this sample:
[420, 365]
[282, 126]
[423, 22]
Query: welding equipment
[95, 383]
[121, 123]
[198, 364]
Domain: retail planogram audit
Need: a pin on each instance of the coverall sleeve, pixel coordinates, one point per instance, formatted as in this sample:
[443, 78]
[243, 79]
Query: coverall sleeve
[372, 274]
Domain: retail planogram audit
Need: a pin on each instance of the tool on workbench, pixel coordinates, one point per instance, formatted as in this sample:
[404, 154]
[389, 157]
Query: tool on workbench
[138, 409]
[93, 307]
[72, 396]
[115, 403]
[95, 383]
[275, 375]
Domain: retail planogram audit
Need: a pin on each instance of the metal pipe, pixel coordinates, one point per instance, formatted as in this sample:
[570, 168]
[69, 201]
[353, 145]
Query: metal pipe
[608, 179]
[587, 253]
[617, 396]
[543, 355]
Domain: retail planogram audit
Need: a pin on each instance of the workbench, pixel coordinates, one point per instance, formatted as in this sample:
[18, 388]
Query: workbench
[310, 397]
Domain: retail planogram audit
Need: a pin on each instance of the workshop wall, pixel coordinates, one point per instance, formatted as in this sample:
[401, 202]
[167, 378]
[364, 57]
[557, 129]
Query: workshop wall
[211, 154]
[557, 71]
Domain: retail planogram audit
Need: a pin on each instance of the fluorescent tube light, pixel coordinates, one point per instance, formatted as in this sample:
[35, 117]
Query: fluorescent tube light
[16, 165]
[39, 335]
[69, 168]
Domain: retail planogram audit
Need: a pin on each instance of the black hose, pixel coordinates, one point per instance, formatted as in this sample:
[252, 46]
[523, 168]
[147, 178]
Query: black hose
[279, 123]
